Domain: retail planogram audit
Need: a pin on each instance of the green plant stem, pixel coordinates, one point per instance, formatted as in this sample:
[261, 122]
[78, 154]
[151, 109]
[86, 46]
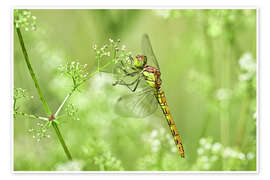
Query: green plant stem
[242, 122]
[60, 107]
[46, 107]
[31, 115]
[208, 40]
[61, 140]
[31, 71]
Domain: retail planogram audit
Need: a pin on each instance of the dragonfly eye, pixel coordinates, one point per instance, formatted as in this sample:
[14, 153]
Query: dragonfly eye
[140, 61]
[140, 57]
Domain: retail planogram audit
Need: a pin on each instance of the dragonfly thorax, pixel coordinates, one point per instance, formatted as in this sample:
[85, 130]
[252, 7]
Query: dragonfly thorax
[140, 61]
[152, 76]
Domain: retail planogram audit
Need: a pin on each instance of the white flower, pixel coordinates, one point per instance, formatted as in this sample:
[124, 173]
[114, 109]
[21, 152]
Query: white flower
[228, 152]
[156, 142]
[216, 147]
[202, 141]
[207, 146]
[70, 166]
[165, 13]
[155, 149]
[242, 156]
[250, 155]
[214, 158]
[255, 115]
[245, 76]
[206, 166]
[162, 131]
[173, 149]
[223, 94]
[247, 63]
[200, 151]
[204, 158]
[154, 133]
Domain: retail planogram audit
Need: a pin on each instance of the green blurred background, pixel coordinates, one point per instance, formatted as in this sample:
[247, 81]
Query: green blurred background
[208, 65]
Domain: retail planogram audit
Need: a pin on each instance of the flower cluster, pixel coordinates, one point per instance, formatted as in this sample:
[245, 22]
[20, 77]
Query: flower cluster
[165, 13]
[72, 112]
[77, 72]
[248, 67]
[223, 94]
[20, 93]
[117, 52]
[41, 131]
[211, 154]
[159, 139]
[106, 162]
[24, 19]
[74, 165]
[107, 49]
[163, 153]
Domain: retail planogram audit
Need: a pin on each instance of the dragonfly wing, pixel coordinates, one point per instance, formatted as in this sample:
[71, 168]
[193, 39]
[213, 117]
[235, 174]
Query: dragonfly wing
[140, 104]
[148, 51]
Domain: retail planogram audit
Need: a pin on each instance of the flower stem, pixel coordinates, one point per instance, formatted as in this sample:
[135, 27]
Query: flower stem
[60, 107]
[61, 140]
[31, 71]
[42, 98]
[30, 115]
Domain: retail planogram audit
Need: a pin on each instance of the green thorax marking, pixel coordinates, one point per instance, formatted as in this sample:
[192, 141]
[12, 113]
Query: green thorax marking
[152, 76]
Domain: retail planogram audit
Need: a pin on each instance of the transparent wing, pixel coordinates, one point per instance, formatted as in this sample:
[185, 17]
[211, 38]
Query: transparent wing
[122, 70]
[140, 104]
[148, 51]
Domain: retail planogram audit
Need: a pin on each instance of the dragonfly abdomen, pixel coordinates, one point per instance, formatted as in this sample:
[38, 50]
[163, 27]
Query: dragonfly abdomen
[164, 106]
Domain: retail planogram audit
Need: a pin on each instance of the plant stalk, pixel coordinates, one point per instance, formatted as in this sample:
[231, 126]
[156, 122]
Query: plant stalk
[31, 71]
[42, 98]
[59, 135]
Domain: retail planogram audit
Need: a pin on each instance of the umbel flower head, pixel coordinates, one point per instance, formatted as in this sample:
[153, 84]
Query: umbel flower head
[24, 19]
[77, 72]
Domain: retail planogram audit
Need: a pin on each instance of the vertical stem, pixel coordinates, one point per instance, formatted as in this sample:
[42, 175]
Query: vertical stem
[46, 107]
[58, 133]
[241, 124]
[211, 68]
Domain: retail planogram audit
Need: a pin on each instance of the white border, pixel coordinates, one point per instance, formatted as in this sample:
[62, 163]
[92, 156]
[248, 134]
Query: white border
[140, 172]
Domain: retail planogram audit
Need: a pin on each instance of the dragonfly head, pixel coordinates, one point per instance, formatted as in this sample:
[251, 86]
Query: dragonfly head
[140, 61]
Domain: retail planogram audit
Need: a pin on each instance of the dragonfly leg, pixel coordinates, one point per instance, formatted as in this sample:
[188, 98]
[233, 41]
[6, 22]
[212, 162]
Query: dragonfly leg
[126, 72]
[121, 82]
[136, 85]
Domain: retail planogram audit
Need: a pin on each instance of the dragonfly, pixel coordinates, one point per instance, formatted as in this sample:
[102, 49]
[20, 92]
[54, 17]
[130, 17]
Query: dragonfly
[145, 74]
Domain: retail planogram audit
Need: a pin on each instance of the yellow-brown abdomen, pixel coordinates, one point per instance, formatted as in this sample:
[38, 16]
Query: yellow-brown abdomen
[163, 104]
